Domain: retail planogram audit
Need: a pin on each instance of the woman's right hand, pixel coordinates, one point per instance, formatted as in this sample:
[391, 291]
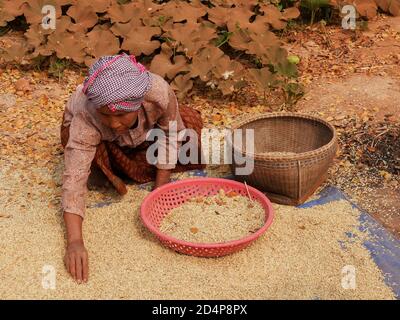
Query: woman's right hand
[76, 256]
[76, 261]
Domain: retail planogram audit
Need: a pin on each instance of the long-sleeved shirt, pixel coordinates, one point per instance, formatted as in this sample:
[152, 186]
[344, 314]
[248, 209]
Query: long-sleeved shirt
[86, 131]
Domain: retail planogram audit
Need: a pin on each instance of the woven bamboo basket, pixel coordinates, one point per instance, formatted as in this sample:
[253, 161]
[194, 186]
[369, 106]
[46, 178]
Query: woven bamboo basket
[286, 178]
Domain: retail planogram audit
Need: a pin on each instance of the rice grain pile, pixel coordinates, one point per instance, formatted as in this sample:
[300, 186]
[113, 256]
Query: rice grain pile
[219, 218]
[299, 257]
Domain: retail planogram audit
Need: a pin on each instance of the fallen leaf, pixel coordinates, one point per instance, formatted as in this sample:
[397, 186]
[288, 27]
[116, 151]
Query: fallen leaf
[232, 194]
[194, 230]
[386, 175]
[216, 117]
[109, 44]
[23, 85]
[341, 117]
[84, 16]
[199, 199]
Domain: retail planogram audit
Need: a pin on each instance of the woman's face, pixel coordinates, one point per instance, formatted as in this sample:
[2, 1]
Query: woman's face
[119, 121]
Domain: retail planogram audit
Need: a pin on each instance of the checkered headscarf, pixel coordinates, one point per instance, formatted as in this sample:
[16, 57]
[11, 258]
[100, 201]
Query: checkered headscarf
[118, 82]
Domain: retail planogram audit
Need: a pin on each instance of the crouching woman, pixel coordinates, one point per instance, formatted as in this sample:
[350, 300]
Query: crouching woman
[104, 128]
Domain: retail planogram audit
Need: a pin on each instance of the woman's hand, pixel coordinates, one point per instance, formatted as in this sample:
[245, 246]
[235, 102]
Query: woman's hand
[76, 256]
[76, 261]
[162, 177]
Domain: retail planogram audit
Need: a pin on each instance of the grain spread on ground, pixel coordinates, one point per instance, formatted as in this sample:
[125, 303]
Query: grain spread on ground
[219, 218]
[301, 256]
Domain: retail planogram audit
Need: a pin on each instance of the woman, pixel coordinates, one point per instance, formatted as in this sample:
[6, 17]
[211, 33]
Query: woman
[105, 124]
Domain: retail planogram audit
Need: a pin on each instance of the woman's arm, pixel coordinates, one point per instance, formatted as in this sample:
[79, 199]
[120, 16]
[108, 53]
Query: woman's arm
[166, 106]
[76, 256]
[78, 155]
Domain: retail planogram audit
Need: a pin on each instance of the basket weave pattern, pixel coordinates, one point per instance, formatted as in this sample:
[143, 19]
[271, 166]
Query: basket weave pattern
[161, 201]
[288, 178]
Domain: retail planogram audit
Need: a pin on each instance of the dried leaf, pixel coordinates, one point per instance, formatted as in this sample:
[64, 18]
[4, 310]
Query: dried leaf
[383, 4]
[9, 10]
[199, 199]
[218, 15]
[101, 42]
[182, 84]
[204, 62]
[23, 85]
[180, 11]
[192, 37]
[228, 69]
[162, 65]
[226, 86]
[138, 41]
[194, 230]
[123, 29]
[394, 8]
[262, 77]
[100, 6]
[15, 52]
[68, 45]
[36, 37]
[366, 8]
[84, 16]
[121, 13]
[275, 55]
[386, 175]
[33, 9]
[216, 118]
[63, 24]
[232, 194]
[240, 39]
[238, 18]
[391, 6]
[260, 25]
[290, 13]
[273, 15]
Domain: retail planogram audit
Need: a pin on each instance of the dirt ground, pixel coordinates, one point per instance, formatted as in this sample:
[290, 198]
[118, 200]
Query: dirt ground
[357, 78]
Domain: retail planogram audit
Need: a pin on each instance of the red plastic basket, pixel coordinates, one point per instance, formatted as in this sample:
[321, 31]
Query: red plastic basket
[159, 203]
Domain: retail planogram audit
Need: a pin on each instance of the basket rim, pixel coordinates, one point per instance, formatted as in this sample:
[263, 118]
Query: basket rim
[299, 156]
[233, 243]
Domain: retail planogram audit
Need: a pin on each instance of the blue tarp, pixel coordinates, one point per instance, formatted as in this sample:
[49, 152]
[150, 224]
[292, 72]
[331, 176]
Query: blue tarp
[383, 246]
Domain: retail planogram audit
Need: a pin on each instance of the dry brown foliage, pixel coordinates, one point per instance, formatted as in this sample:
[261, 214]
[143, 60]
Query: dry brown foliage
[179, 40]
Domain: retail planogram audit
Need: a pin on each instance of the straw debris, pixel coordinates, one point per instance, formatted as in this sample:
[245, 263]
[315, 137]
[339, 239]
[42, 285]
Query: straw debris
[219, 218]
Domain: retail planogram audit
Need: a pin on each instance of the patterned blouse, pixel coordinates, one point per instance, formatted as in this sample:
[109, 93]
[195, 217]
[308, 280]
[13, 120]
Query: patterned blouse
[86, 131]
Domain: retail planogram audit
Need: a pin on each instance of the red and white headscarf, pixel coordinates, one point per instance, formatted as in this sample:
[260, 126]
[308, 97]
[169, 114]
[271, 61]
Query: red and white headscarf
[118, 82]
